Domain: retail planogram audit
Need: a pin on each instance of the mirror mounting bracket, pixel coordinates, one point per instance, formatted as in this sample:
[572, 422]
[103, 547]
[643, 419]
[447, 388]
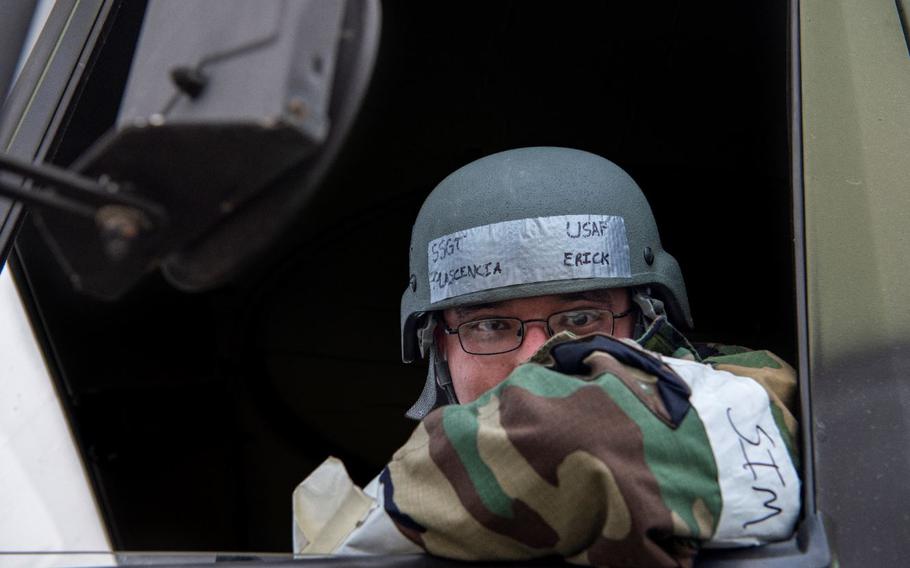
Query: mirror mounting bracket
[120, 217]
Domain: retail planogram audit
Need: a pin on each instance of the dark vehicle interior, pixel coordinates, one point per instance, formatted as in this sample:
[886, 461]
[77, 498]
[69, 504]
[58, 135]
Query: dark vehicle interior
[198, 413]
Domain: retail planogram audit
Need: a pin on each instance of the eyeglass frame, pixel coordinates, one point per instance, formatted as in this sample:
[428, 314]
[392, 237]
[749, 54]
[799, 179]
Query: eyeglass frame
[521, 330]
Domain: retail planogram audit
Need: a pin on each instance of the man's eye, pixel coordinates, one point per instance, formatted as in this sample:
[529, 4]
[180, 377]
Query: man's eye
[490, 326]
[579, 320]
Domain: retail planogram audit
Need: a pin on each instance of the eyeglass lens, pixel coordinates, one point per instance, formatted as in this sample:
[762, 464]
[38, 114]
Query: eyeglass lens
[500, 335]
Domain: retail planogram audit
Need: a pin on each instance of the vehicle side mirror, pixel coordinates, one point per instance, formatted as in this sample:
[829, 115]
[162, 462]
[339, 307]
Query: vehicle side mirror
[232, 114]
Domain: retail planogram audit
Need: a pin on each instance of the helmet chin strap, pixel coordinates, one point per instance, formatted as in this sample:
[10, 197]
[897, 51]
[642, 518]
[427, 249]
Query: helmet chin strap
[439, 368]
[649, 309]
[443, 377]
[438, 376]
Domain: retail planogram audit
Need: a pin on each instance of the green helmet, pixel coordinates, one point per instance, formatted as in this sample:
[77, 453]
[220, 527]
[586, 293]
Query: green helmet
[530, 222]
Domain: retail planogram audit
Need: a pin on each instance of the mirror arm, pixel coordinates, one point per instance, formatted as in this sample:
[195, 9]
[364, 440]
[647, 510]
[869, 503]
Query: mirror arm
[119, 216]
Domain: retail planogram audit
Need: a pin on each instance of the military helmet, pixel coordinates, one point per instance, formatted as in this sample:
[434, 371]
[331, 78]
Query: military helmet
[531, 222]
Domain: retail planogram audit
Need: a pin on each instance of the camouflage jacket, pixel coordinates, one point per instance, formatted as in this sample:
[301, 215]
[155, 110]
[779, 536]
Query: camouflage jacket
[604, 452]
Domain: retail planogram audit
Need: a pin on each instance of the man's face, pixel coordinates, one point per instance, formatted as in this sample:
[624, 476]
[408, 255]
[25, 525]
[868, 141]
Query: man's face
[472, 375]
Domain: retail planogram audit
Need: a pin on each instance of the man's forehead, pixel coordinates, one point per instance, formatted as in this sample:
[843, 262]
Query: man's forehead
[602, 296]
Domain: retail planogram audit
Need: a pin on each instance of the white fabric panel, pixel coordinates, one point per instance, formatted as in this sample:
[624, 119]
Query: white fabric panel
[332, 515]
[758, 482]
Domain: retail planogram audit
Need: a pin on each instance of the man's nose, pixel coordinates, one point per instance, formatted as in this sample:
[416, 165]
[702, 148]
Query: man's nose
[535, 336]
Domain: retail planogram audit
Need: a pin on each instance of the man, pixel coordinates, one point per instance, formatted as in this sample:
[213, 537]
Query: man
[531, 272]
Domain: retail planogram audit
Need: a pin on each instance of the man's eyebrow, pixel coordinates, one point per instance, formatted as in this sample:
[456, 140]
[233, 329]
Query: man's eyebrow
[602, 296]
[465, 311]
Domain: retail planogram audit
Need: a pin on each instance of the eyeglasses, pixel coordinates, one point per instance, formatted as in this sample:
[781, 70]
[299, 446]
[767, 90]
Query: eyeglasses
[492, 336]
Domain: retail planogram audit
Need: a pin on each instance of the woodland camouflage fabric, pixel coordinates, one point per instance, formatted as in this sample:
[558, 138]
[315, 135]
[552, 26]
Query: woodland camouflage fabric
[590, 452]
